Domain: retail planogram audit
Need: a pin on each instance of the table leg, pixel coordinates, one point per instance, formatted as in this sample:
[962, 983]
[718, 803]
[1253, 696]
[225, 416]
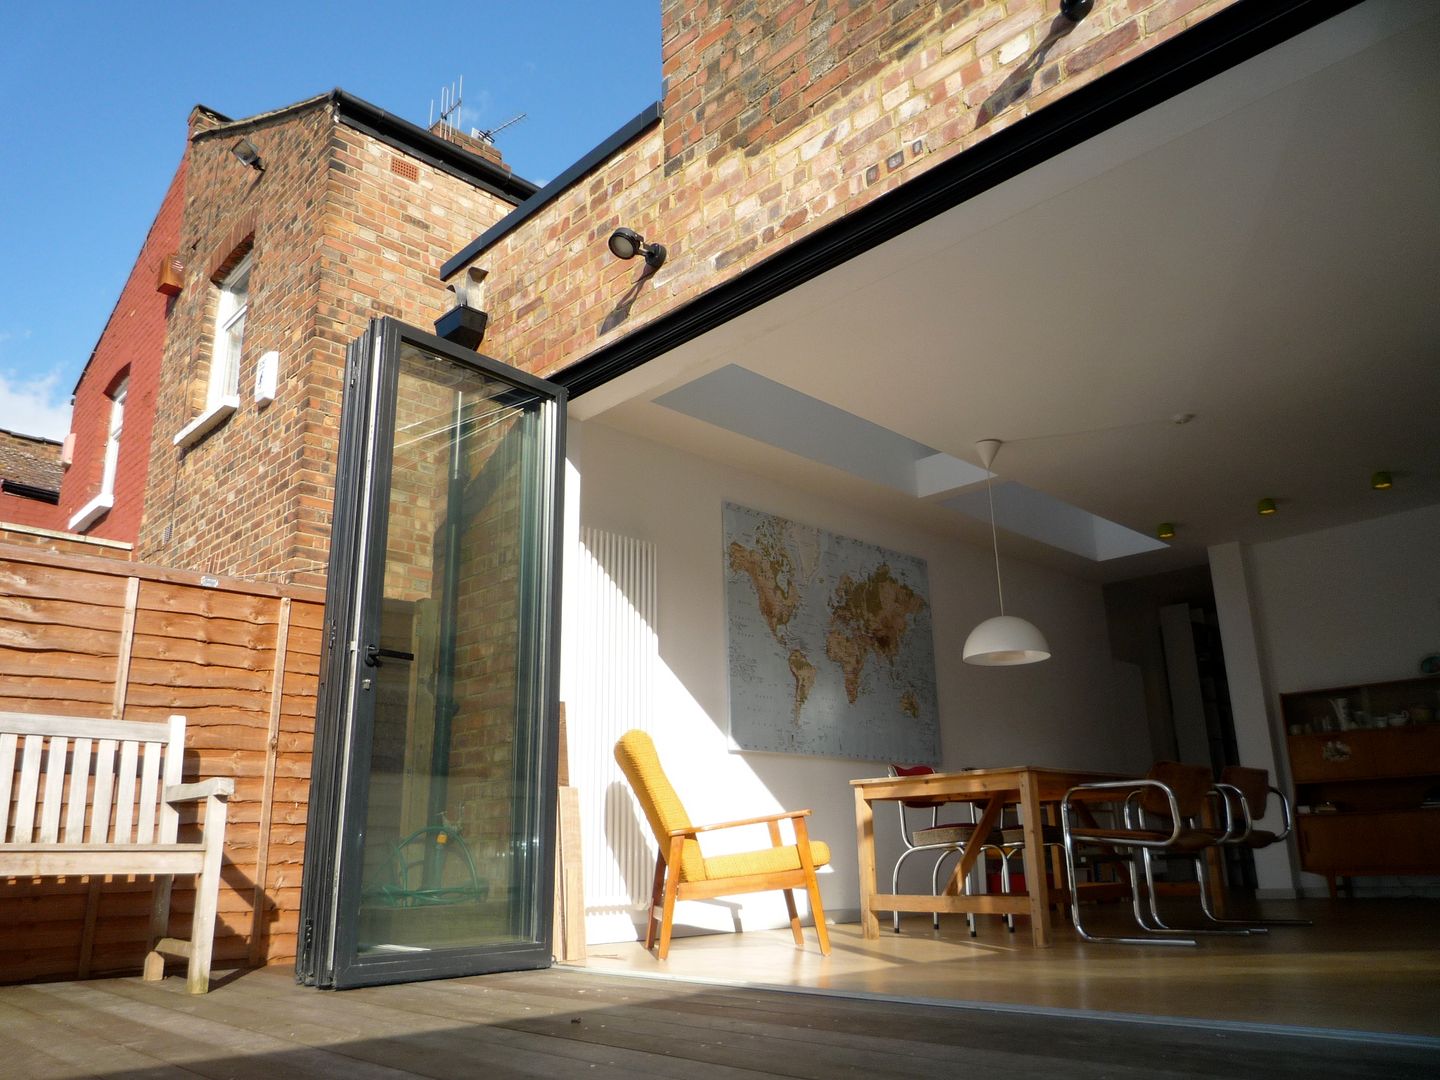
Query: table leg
[1035, 882]
[865, 845]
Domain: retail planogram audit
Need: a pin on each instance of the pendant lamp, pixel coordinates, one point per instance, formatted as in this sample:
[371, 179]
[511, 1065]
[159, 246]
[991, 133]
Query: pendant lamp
[1005, 640]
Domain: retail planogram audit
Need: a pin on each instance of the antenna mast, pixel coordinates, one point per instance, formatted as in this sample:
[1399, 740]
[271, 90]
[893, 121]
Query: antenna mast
[451, 98]
[489, 135]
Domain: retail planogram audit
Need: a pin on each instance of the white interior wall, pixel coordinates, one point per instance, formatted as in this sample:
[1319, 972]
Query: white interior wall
[1356, 603]
[1058, 713]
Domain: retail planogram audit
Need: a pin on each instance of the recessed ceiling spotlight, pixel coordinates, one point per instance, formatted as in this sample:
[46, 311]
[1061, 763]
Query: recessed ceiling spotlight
[1165, 530]
[1382, 480]
[1182, 418]
[1265, 507]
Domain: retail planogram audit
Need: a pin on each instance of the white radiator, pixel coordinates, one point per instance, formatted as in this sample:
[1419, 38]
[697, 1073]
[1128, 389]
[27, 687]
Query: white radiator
[612, 659]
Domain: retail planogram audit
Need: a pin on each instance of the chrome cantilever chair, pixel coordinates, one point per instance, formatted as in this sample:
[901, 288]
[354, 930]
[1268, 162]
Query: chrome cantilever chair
[1173, 796]
[937, 839]
[1248, 791]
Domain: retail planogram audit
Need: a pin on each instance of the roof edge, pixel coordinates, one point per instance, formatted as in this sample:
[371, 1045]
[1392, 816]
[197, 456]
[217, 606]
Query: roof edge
[640, 123]
[1222, 41]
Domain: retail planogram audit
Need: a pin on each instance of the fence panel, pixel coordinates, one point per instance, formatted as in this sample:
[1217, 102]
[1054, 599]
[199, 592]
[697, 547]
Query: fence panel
[102, 637]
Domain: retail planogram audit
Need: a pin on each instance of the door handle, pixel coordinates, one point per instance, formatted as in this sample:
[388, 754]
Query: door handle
[374, 655]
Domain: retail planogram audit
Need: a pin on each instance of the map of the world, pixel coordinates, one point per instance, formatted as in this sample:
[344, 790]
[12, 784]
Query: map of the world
[830, 643]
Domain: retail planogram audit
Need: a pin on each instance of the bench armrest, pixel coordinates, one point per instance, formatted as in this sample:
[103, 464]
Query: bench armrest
[218, 786]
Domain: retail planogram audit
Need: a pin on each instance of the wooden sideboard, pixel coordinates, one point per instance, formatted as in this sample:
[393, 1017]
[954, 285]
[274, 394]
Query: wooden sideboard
[1365, 760]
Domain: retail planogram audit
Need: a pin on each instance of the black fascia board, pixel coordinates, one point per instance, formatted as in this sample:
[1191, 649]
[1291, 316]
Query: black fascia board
[1222, 41]
[431, 148]
[645, 119]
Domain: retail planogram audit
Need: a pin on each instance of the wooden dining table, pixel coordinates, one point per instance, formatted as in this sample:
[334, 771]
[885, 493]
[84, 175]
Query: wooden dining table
[1029, 787]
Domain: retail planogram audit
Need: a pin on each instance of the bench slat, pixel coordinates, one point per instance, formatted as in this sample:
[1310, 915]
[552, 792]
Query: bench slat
[76, 726]
[149, 784]
[7, 779]
[79, 789]
[125, 792]
[29, 786]
[104, 787]
[57, 860]
[55, 756]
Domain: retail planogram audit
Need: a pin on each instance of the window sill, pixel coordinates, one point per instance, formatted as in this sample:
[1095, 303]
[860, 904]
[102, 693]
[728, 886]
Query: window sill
[91, 512]
[206, 422]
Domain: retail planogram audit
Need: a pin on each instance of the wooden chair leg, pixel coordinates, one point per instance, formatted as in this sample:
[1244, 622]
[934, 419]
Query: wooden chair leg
[654, 901]
[812, 887]
[207, 891]
[672, 889]
[794, 916]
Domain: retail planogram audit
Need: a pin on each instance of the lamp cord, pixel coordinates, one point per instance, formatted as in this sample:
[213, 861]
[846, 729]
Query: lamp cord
[994, 541]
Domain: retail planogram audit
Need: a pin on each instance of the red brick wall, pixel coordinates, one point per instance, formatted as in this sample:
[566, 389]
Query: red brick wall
[340, 235]
[133, 339]
[31, 460]
[779, 117]
[23, 511]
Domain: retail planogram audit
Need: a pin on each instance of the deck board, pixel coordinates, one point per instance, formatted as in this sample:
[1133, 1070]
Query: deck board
[560, 1023]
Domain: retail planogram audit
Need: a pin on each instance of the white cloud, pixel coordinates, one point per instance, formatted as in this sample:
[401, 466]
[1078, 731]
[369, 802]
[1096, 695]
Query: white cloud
[34, 406]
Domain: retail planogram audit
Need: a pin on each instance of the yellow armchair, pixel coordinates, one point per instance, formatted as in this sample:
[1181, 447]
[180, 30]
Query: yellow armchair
[683, 872]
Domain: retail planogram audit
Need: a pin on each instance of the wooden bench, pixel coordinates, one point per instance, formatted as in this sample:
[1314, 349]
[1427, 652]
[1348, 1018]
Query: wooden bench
[95, 797]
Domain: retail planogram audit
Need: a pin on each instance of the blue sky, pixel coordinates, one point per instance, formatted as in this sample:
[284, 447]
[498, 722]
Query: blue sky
[94, 96]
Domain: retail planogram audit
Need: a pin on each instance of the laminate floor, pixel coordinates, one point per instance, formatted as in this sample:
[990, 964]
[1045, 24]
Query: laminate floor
[1366, 965]
[565, 1023]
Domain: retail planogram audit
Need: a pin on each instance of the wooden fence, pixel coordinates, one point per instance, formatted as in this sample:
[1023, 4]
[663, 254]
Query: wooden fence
[99, 637]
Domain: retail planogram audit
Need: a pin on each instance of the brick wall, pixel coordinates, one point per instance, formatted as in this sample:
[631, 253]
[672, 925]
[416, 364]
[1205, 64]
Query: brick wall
[781, 116]
[344, 228]
[132, 345]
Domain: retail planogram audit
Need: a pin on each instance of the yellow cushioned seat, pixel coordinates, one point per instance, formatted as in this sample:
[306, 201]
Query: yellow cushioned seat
[764, 861]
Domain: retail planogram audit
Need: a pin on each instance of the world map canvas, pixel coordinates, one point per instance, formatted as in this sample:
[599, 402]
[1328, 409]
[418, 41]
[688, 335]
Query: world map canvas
[831, 650]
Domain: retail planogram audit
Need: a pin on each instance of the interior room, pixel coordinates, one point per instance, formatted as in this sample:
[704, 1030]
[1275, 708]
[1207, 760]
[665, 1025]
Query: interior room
[1223, 306]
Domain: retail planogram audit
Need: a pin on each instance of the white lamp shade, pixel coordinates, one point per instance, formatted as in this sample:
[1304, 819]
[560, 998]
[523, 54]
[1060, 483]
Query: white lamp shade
[1003, 641]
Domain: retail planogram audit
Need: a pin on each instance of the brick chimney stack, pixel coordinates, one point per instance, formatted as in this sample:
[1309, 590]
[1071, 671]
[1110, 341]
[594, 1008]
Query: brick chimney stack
[478, 146]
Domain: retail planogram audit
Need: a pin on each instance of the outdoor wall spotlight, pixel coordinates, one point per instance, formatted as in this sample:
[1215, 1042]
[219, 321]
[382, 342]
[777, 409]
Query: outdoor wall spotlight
[1075, 10]
[1382, 480]
[1265, 507]
[627, 243]
[246, 153]
[1165, 530]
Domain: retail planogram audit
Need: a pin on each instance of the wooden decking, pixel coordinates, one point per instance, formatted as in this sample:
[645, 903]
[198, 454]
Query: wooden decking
[564, 1023]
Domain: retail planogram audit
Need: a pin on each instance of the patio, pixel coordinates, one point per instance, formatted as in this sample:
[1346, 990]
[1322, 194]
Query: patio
[1365, 967]
[566, 1022]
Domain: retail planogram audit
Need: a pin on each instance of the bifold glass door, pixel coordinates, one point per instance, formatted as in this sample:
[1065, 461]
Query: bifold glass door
[429, 847]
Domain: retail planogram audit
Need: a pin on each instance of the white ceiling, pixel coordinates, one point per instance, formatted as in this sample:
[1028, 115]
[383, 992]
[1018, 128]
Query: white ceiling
[1262, 251]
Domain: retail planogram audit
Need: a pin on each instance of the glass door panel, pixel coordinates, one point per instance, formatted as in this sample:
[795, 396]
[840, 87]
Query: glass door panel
[443, 743]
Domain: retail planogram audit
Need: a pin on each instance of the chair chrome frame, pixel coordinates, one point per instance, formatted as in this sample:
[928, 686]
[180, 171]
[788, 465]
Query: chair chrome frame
[1234, 796]
[1118, 838]
[944, 850]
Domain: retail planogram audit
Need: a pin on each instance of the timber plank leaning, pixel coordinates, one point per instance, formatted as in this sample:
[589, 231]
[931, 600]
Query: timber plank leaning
[86, 797]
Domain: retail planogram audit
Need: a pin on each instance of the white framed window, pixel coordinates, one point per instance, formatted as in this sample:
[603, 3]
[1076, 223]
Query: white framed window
[230, 312]
[104, 499]
[222, 393]
[112, 441]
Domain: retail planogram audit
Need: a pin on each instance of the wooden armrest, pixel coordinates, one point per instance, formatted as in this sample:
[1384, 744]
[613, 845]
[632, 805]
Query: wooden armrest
[219, 786]
[744, 821]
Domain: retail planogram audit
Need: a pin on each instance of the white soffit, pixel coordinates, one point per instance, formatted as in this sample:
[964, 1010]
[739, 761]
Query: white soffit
[756, 407]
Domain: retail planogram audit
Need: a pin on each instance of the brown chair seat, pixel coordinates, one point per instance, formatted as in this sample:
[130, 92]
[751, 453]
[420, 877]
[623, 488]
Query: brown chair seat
[960, 833]
[1015, 834]
[1189, 840]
